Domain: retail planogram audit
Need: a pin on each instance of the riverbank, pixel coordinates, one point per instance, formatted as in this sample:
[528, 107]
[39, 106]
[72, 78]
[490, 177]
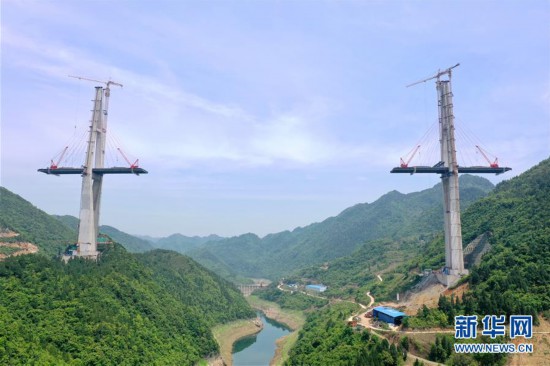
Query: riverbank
[229, 333]
[293, 319]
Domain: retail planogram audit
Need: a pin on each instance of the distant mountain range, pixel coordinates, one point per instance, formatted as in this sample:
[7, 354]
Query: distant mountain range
[394, 215]
[181, 243]
[131, 243]
[137, 244]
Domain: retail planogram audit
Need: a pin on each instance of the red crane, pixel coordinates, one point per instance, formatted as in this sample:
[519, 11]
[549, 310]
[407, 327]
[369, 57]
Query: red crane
[411, 155]
[494, 164]
[134, 165]
[55, 165]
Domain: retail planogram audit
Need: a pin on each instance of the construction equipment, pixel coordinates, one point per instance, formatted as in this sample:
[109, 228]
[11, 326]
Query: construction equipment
[56, 164]
[132, 165]
[411, 155]
[494, 164]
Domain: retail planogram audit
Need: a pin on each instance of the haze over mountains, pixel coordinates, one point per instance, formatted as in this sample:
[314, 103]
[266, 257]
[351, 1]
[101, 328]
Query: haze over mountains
[394, 215]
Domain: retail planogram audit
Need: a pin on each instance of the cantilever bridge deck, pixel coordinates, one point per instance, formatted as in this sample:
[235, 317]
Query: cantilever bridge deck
[100, 171]
[443, 169]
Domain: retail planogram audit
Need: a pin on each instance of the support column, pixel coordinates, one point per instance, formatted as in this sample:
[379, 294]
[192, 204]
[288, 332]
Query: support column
[454, 258]
[87, 233]
[101, 134]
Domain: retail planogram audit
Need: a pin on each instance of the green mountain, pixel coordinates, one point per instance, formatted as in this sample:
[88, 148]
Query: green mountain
[176, 242]
[33, 224]
[514, 277]
[183, 244]
[219, 299]
[121, 310]
[151, 308]
[394, 216]
[131, 243]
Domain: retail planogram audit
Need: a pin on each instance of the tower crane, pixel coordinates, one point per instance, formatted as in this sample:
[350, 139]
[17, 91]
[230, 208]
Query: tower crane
[107, 83]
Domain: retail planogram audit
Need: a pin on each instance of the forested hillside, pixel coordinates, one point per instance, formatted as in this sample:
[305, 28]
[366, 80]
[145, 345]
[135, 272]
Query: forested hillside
[356, 274]
[33, 224]
[327, 340]
[514, 277]
[131, 243]
[219, 300]
[515, 271]
[119, 311]
[394, 215]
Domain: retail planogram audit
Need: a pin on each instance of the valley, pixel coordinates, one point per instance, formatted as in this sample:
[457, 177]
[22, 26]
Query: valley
[137, 288]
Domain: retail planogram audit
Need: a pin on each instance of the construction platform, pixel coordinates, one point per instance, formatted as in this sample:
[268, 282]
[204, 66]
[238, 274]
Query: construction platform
[443, 169]
[99, 171]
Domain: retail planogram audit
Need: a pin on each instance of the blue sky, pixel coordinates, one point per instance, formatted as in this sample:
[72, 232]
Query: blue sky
[261, 116]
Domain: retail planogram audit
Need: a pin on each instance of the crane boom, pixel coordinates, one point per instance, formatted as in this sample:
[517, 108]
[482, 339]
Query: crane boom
[406, 164]
[494, 164]
[436, 76]
[108, 83]
[55, 165]
[134, 165]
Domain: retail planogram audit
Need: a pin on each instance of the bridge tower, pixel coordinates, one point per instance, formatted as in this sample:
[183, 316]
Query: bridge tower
[449, 169]
[454, 258]
[92, 172]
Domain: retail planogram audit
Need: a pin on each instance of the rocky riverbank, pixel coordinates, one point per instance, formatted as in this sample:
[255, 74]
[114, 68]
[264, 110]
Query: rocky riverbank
[229, 333]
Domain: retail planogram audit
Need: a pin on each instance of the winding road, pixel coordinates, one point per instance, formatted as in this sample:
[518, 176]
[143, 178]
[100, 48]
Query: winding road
[366, 323]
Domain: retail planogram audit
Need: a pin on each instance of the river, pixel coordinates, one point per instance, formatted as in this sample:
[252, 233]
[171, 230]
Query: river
[259, 349]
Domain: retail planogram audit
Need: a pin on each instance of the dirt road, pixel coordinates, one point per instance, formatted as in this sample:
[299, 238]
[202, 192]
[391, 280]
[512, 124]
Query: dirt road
[24, 248]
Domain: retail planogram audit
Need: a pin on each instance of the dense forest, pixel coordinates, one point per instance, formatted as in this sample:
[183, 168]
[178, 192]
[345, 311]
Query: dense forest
[514, 277]
[354, 275]
[121, 310]
[326, 340]
[294, 300]
[195, 286]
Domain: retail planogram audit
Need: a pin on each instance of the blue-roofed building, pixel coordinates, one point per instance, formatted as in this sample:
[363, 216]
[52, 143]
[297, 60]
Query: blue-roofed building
[318, 288]
[388, 315]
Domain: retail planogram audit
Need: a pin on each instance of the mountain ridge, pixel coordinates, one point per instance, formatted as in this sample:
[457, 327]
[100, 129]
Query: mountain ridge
[277, 254]
[130, 242]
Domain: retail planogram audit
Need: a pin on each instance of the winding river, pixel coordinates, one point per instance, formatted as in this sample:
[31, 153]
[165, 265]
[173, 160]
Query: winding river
[259, 349]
